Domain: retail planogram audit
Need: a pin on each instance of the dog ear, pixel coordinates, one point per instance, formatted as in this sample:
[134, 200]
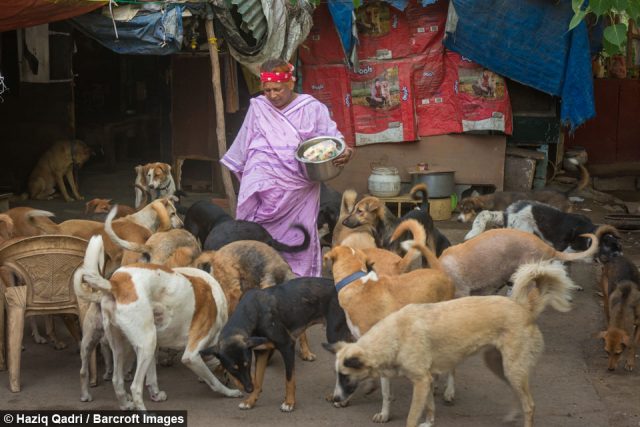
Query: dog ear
[165, 168]
[254, 342]
[333, 348]
[353, 362]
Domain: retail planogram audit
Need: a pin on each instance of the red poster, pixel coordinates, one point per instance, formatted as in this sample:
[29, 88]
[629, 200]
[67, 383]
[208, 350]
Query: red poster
[322, 45]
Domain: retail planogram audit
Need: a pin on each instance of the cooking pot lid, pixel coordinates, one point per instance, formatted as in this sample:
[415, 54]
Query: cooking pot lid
[415, 170]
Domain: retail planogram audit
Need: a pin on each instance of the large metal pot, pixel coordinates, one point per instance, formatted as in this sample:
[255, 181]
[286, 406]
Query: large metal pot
[323, 170]
[440, 183]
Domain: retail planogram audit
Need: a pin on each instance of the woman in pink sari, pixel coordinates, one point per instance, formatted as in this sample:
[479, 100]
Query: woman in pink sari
[274, 189]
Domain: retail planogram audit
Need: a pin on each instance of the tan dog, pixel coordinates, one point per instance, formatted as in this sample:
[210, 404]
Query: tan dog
[155, 180]
[101, 207]
[367, 298]
[421, 340]
[151, 306]
[389, 263]
[485, 263]
[56, 164]
[469, 207]
[359, 237]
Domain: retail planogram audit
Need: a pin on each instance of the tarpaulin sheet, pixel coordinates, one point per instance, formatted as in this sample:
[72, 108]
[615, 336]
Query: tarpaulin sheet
[529, 42]
[28, 13]
[157, 33]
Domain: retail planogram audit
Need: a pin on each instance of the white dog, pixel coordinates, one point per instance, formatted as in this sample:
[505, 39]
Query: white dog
[153, 181]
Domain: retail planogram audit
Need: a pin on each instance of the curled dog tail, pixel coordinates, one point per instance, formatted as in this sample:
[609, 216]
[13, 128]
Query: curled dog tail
[539, 284]
[90, 270]
[39, 219]
[420, 192]
[584, 178]
[607, 229]
[431, 258]
[590, 252]
[281, 247]
[125, 244]
[419, 236]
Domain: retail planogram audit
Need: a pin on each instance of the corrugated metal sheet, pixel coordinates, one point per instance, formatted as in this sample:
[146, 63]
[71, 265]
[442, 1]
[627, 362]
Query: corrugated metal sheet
[253, 18]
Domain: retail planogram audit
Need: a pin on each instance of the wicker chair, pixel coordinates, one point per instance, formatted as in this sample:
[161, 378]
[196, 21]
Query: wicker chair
[45, 265]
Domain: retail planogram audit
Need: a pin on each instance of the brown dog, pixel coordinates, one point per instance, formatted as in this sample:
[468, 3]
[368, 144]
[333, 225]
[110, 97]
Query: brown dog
[56, 164]
[358, 237]
[485, 263]
[469, 207]
[99, 208]
[154, 180]
[389, 263]
[367, 298]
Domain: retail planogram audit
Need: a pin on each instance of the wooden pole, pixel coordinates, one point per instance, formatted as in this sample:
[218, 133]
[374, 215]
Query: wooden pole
[220, 127]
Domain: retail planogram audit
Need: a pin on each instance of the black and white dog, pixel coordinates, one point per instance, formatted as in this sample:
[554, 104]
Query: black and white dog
[560, 229]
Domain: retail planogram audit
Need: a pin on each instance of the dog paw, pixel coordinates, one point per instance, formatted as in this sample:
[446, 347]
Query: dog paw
[629, 366]
[233, 393]
[342, 404]
[86, 398]
[380, 417]
[59, 345]
[246, 405]
[308, 357]
[286, 407]
[160, 396]
[426, 424]
[39, 340]
[128, 406]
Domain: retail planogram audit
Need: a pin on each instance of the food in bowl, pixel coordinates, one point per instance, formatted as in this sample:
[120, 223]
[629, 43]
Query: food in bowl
[321, 151]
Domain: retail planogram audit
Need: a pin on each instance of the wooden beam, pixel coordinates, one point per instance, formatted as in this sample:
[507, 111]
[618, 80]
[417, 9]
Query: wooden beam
[220, 126]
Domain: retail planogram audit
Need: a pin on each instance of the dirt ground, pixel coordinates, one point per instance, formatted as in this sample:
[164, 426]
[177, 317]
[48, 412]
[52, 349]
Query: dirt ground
[571, 385]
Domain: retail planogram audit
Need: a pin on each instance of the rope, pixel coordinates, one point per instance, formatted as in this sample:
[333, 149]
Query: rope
[111, 3]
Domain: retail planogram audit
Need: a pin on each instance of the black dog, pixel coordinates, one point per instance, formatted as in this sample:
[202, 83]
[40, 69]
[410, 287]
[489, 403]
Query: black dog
[273, 318]
[216, 228]
[328, 213]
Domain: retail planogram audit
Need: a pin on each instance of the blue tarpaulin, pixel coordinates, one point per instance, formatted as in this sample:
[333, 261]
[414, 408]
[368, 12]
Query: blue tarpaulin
[155, 33]
[529, 42]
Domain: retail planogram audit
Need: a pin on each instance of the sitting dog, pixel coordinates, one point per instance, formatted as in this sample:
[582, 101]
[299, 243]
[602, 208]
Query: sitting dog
[368, 298]
[469, 207]
[56, 164]
[560, 229]
[359, 237]
[373, 212]
[154, 180]
[485, 263]
[216, 228]
[273, 318]
[417, 341]
[98, 209]
[152, 305]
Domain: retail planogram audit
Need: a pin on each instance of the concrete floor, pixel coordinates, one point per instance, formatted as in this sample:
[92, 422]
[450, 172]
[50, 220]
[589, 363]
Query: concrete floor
[570, 384]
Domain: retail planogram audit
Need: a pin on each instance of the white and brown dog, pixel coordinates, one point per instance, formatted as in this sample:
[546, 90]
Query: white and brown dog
[150, 306]
[153, 180]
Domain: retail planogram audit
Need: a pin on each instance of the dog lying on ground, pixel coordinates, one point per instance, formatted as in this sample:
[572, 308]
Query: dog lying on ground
[620, 285]
[273, 318]
[98, 209]
[416, 341]
[152, 305]
[485, 263]
[469, 207]
[358, 237]
[559, 229]
[215, 228]
[373, 212]
[56, 164]
[367, 298]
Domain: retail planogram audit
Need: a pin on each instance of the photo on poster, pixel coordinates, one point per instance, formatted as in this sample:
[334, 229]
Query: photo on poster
[373, 19]
[381, 91]
[481, 82]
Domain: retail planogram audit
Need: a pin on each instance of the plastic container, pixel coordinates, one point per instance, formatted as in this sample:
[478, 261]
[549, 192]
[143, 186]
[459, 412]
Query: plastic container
[384, 181]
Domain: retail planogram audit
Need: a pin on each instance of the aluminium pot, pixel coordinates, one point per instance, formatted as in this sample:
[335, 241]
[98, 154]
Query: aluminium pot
[440, 183]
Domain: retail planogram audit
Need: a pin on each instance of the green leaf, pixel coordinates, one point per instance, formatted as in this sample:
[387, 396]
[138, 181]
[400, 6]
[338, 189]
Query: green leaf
[610, 48]
[599, 7]
[576, 5]
[577, 19]
[633, 9]
[619, 5]
[357, 3]
[616, 34]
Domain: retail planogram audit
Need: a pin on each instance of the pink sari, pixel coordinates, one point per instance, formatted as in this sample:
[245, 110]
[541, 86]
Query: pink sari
[274, 189]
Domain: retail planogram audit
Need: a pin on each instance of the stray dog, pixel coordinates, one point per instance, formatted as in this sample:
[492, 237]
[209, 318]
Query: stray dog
[485, 263]
[57, 163]
[560, 229]
[367, 298]
[416, 341]
[358, 237]
[273, 318]
[373, 212]
[99, 208]
[500, 200]
[154, 306]
[153, 179]
[328, 213]
[215, 228]
[173, 248]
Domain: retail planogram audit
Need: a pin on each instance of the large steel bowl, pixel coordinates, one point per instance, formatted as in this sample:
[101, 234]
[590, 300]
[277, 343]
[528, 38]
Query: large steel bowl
[323, 170]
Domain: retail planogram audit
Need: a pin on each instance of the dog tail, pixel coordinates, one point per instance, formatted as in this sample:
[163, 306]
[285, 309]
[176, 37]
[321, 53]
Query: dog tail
[40, 219]
[419, 236]
[420, 192]
[125, 244]
[607, 229]
[281, 247]
[584, 178]
[348, 201]
[431, 257]
[539, 284]
[574, 256]
[89, 272]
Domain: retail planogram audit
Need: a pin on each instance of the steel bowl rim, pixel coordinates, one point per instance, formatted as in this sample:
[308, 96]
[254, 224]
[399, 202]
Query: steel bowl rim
[341, 149]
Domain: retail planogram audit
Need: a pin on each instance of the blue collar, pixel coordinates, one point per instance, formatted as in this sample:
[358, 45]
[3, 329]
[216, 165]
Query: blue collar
[350, 278]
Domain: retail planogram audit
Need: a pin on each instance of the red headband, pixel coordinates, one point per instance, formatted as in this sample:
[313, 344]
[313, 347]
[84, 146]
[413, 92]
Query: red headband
[277, 76]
